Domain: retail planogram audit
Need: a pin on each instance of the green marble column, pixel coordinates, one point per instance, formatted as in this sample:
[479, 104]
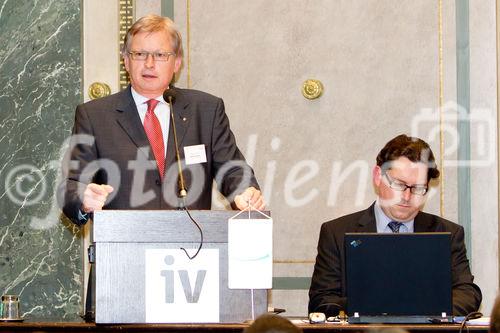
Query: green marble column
[40, 80]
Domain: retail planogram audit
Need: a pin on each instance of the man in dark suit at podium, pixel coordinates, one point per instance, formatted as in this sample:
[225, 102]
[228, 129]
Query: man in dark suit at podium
[401, 180]
[123, 152]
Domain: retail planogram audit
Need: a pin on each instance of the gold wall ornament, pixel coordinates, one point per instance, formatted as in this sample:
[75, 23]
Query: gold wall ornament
[98, 90]
[312, 89]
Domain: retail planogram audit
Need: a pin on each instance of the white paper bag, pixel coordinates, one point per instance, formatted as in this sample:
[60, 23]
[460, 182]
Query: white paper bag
[250, 253]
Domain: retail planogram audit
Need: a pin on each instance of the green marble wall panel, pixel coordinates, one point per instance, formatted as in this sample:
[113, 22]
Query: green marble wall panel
[40, 80]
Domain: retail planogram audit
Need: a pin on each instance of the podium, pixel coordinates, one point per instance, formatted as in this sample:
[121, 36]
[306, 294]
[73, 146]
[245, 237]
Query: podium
[142, 275]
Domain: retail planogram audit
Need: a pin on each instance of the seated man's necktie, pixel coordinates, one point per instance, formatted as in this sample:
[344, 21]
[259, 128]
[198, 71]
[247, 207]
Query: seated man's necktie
[394, 226]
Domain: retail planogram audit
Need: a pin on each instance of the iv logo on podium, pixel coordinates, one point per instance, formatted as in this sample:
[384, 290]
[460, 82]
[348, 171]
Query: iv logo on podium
[179, 290]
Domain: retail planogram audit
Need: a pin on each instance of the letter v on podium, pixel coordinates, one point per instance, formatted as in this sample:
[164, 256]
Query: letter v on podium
[179, 290]
[250, 252]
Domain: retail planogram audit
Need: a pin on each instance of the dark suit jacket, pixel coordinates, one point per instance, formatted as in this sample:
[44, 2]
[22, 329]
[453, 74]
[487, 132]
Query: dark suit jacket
[117, 152]
[328, 281]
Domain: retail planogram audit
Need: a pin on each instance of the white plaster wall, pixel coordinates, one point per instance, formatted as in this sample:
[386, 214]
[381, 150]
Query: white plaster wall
[484, 179]
[100, 44]
[379, 63]
[449, 80]
[145, 7]
[101, 54]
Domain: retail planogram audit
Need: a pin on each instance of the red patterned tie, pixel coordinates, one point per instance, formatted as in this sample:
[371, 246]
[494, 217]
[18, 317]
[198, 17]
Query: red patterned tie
[155, 136]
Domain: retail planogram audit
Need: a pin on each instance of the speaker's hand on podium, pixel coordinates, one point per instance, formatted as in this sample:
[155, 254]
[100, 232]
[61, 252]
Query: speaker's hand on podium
[251, 196]
[94, 197]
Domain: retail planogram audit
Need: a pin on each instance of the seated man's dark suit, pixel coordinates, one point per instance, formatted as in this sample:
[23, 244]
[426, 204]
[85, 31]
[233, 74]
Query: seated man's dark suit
[118, 135]
[328, 281]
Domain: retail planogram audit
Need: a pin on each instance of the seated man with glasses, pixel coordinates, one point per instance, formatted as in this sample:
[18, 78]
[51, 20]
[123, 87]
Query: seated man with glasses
[401, 177]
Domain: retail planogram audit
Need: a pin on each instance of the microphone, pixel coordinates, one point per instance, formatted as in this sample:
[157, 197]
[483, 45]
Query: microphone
[169, 96]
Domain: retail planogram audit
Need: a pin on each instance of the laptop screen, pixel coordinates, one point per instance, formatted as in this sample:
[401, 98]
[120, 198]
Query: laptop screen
[405, 274]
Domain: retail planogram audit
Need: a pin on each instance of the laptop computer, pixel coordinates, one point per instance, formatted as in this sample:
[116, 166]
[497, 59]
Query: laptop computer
[398, 278]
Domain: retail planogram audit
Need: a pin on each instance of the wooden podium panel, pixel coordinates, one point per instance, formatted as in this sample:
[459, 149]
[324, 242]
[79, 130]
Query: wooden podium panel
[126, 242]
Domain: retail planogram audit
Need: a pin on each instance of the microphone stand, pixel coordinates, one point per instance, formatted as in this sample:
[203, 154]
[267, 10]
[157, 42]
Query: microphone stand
[182, 190]
[182, 187]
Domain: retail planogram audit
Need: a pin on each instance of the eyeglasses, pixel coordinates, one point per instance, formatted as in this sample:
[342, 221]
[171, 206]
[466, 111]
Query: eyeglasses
[399, 186]
[157, 56]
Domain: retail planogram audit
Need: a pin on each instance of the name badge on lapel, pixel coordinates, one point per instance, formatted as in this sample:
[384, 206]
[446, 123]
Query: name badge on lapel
[195, 154]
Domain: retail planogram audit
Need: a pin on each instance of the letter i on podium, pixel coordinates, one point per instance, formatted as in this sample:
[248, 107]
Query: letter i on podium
[250, 251]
